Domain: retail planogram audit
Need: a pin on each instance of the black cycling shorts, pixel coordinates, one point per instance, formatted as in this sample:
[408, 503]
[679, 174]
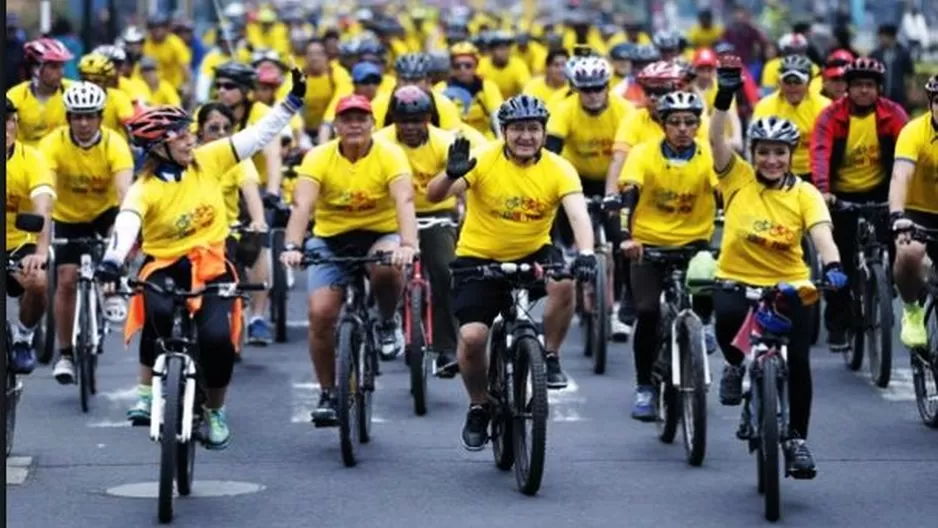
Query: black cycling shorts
[14, 288]
[71, 253]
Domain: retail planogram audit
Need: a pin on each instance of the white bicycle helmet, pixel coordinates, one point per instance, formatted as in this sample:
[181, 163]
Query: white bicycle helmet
[774, 129]
[133, 35]
[680, 102]
[588, 72]
[84, 98]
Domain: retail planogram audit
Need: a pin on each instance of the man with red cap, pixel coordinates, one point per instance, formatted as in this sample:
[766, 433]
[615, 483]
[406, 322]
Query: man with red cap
[39, 100]
[834, 83]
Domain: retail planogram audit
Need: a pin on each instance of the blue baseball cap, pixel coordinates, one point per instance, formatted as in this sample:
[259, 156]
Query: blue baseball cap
[365, 73]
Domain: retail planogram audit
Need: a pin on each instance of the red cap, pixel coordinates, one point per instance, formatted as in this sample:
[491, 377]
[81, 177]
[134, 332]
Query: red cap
[834, 72]
[705, 57]
[269, 74]
[353, 102]
[839, 57]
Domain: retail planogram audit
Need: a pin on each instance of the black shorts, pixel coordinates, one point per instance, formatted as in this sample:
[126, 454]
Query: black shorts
[928, 221]
[481, 300]
[14, 288]
[71, 253]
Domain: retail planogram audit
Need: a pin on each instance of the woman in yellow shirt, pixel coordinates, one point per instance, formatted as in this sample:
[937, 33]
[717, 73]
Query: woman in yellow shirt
[768, 211]
[178, 203]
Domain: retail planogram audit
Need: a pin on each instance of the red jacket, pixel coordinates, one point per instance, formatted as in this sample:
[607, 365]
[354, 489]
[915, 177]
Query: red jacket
[829, 143]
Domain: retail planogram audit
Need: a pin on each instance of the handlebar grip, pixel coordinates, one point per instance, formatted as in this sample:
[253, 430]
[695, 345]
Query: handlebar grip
[244, 286]
[700, 283]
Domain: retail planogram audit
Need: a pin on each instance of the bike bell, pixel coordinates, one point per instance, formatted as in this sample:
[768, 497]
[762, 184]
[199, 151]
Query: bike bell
[115, 309]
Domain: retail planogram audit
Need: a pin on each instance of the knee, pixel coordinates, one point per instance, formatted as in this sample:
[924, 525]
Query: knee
[473, 336]
[323, 312]
[909, 255]
[384, 276]
[561, 292]
[66, 278]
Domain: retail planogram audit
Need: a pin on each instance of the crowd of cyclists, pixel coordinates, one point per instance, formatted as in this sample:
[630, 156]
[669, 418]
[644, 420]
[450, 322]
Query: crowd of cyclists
[504, 126]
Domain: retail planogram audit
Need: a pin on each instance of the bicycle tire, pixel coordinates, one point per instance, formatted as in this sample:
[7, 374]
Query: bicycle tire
[693, 390]
[859, 322]
[12, 398]
[529, 452]
[368, 361]
[922, 370]
[172, 407]
[501, 430]
[769, 438]
[880, 346]
[347, 390]
[599, 326]
[416, 348]
[47, 352]
[278, 291]
[667, 402]
[586, 321]
[185, 457]
[83, 350]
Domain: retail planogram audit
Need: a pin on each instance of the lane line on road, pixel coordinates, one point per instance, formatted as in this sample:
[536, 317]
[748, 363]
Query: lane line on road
[901, 387]
[18, 470]
[565, 404]
[306, 399]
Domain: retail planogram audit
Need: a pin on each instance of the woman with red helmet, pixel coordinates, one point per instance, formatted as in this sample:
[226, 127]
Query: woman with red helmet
[39, 99]
[178, 204]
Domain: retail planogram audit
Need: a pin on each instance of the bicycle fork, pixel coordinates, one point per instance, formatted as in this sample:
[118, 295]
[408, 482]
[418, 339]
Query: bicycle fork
[86, 283]
[188, 398]
[676, 357]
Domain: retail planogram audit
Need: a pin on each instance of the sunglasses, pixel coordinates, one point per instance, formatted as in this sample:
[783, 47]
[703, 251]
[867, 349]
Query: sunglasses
[218, 129]
[593, 89]
[415, 119]
[226, 86]
[464, 65]
[687, 122]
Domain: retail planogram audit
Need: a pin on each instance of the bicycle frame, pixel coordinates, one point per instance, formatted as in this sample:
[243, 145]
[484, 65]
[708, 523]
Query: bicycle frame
[86, 278]
[417, 280]
[181, 327]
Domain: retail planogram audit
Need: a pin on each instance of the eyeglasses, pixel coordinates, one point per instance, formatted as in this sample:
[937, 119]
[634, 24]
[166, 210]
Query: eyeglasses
[411, 119]
[226, 86]
[687, 122]
[218, 129]
[593, 89]
[464, 65]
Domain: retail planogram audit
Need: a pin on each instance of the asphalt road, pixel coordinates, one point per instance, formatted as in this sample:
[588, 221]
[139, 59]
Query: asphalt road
[877, 463]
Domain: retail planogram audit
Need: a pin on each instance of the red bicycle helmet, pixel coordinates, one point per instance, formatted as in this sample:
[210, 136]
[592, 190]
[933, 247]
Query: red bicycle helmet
[865, 68]
[661, 74]
[269, 74]
[839, 57]
[46, 50]
[156, 125]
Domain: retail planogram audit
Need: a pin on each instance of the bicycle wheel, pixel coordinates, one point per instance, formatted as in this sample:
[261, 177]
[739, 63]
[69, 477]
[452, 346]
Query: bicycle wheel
[13, 390]
[416, 349]
[879, 337]
[185, 456]
[278, 291]
[501, 427]
[925, 372]
[366, 389]
[529, 400]
[859, 320]
[693, 389]
[599, 326]
[668, 403]
[84, 349]
[586, 322]
[47, 352]
[347, 389]
[172, 409]
[769, 437]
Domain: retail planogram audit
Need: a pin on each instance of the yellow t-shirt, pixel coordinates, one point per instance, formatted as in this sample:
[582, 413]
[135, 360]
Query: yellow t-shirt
[257, 112]
[37, 118]
[320, 90]
[27, 177]
[918, 143]
[136, 89]
[172, 58]
[510, 78]
[675, 204]
[802, 116]
[509, 208]
[84, 178]
[534, 57]
[763, 227]
[426, 161]
[639, 127]
[355, 196]
[165, 94]
[588, 138]
[178, 216]
[231, 183]
[701, 37]
[538, 87]
[475, 138]
[277, 37]
[449, 114]
[485, 103]
[861, 170]
[117, 111]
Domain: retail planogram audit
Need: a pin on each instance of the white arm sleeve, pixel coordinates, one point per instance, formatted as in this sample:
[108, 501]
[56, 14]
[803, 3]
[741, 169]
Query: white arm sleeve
[126, 228]
[255, 137]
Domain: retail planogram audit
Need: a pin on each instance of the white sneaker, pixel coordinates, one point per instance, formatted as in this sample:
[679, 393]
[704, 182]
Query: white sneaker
[64, 371]
[620, 330]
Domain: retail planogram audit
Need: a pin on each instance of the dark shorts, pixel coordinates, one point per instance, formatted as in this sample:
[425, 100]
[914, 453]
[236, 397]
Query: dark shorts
[71, 253]
[481, 300]
[928, 221]
[14, 288]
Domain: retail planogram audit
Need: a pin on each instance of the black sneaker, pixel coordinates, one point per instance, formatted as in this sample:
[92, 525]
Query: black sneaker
[475, 432]
[325, 414]
[446, 365]
[798, 459]
[556, 378]
[731, 385]
[837, 341]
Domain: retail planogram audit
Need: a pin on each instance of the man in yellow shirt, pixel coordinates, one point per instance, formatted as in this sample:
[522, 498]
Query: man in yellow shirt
[99, 70]
[323, 82]
[170, 52]
[476, 97]
[507, 71]
[704, 34]
[29, 189]
[514, 189]
[39, 100]
[554, 81]
[161, 92]
[412, 70]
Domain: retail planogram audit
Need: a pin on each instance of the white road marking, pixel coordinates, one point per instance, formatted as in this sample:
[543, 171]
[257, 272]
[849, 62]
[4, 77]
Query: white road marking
[298, 324]
[901, 387]
[565, 403]
[118, 401]
[18, 470]
[109, 424]
[306, 399]
[200, 488]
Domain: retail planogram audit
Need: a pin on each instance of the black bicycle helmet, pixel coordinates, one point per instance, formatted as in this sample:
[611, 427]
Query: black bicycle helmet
[522, 108]
[240, 73]
[865, 68]
[371, 47]
[931, 87]
[623, 51]
[646, 53]
[412, 66]
[411, 100]
[500, 38]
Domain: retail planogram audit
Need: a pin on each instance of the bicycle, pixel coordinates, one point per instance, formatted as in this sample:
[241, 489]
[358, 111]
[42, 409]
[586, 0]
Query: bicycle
[356, 351]
[279, 286]
[176, 415]
[245, 250]
[591, 299]
[682, 369]
[925, 360]
[89, 328]
[418, 323]
[872, 329]
[516, 372]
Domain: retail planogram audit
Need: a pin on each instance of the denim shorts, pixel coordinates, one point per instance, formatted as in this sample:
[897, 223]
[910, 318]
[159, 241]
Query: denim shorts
[324, 275]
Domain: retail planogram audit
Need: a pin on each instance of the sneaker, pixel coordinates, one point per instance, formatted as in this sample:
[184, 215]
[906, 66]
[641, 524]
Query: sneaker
[259, 332]
[798, 459]
[325, 414]
[731, 386]
[24, 357]
[64, 370]
[710, 339]
[627, 311]
[913, 334]
[219, 436]
[645, 408]
[475, 432]
[390, 338]
[619, 330]
[139, 414]
[556, 378]
[446, 365]
[837, 341]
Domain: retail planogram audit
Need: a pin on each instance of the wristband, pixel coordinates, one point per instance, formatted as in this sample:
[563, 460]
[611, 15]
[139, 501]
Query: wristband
[291, 247]
[724, 99]
[293, 103]
[831, 266]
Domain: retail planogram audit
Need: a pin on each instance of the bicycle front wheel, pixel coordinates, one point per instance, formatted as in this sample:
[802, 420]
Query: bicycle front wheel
[693, 389]
[880, 320]
[529, 414]
[599, 326]
[769, 438]
[169, 447]
[925, 372]
[416, 349]
[84, 351]
[501, 431]
[347, 376]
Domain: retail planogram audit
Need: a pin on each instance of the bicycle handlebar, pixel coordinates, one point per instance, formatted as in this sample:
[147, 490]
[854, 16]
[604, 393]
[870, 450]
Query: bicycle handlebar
[434, 221]
[807, 290]
[381, 257]
[222, 289]
[89, 242]
[516, 271]
[860, 207]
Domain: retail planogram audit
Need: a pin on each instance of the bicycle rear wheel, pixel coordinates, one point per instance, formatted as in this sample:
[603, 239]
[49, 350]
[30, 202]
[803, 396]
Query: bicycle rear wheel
[879, 338]
[278, 291]
[84, 349]
[769, 438]
[501, 431]
[529, 405]
[599, 325]
[416, 349]
[368, 360]
[693, 390]
[925, 372]
[169, 447]
[347, 376]
[47, 352]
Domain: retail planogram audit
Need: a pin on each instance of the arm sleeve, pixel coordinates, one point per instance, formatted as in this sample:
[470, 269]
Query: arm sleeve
[633, 171]
[569, 180]
[310, 168]
[255, 137]
[821, 145]
[813, 209]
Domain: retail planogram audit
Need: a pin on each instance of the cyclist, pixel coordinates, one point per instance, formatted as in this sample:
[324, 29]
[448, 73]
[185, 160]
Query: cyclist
[913, 199]
[426, 148]
[668, 201]
[98, 69]
[507, 71]
[834, 86]
[513, 190]
[767, 193]
[554, 80]
[852, 156]
[366, 81]
[29, 189]
[172, 56]
[360, 188]
[93, 167]
[161, 92]
[413, 70]
[630, 88]
[134, 87]
[788, 45]
[178, 204]
[39, 100]
[479, 98]
[324, 81]
[668, 44]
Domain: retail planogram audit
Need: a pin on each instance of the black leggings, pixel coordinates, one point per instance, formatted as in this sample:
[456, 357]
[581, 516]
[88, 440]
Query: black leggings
[216, 351]
[731, 308]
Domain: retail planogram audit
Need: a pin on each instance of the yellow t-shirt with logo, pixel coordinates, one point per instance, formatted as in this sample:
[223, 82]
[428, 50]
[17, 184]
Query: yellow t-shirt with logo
[485, 103]
[26, 178]
[510, 78]
[117, 111]
[861, 170]
[37, 118]
[178, 216]
[510, 209]
[639, 127]
[802, 116]
[355, 196]
[588, 138]
[449, 114]
[426, 161]
[172, 58]
[538, 87]
[84, 177]
[138, 91]
[763, 227]
[231, 183]
[320, 90]
[918, 143]
[675, 204]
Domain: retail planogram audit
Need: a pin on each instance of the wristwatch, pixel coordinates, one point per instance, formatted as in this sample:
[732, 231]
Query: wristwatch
[291, 247]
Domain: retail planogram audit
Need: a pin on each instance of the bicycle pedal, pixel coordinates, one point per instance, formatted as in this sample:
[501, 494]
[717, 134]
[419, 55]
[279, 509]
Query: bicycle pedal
[322, 423]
